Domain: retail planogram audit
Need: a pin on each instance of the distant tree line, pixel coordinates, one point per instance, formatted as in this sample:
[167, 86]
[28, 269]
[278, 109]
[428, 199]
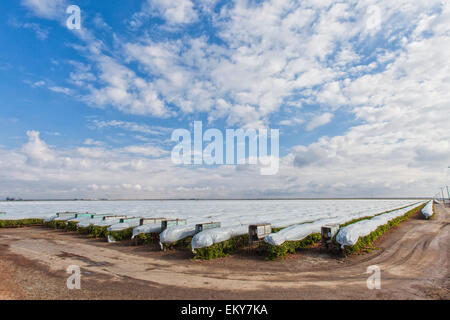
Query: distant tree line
[12, 199]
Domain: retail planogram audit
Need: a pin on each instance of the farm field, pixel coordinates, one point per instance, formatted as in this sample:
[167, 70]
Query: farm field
[220, 210]
[234, 217]
[412, 257]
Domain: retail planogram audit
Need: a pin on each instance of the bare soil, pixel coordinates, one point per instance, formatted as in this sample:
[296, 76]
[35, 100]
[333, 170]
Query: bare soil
[413, 259]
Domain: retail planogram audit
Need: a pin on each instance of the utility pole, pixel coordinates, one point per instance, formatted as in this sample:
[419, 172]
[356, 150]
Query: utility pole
[443, 199]
[448, 194]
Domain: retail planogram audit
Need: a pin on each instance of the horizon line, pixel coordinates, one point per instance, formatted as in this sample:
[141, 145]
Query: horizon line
[221, 199]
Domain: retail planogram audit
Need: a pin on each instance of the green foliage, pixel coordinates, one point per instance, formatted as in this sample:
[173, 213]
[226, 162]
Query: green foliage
[58, 224]
[147, 238]
[367, 218]
[359, 219]
[180, 244]
[121, 235]
[354, 221]
[20, 223]
[84, 230]
[49, 224]
[289, 247]
[225, 248]
[72, 226]
[98, 231]
[365, 243]
[222, 249]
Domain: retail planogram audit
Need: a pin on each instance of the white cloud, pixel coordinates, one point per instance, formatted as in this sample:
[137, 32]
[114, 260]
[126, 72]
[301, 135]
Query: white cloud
[173, 12]
[319, 120]
[41, 33]
[124, 89]
[292, 122]
[100, 23]
[146, 150]
[309, 54]
[366, 161]
[66, 91]
[93, 152]
[48, 9]
[37, 150]
[39, 83]
[403, 141]
[270, 53]
[131, 126]
[116, 173]
[92, 142]
[82, 75]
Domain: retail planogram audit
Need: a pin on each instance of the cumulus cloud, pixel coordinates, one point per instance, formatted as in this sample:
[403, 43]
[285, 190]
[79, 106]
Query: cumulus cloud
[321, 58]
[319, 120]
[174, 12]
[146, 150]
[92, 142]
[37, 150]
[292, 121]
[269, 54]
[350, 165]
[49, 9]
[39, 171]
[128, 92]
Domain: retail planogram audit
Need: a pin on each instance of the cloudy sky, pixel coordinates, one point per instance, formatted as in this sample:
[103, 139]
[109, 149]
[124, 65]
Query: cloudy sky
[360, 91]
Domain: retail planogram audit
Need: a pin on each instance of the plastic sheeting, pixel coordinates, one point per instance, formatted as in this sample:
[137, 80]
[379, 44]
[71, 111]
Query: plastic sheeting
[350, 234]
[129, 223]
[296, 232]
[88, 222]
[300, 231]
[427, 211]
[176, 233]
[107, 223]
[211, 236]
[79, 219]
[50, 218]
[232, 214]
[63, 218]
[208, 210]
[123, 225]
[146, 229]
[296, 227]
[172, 233]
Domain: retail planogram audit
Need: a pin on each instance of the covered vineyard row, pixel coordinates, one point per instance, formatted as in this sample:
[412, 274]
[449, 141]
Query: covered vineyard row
[274, 235]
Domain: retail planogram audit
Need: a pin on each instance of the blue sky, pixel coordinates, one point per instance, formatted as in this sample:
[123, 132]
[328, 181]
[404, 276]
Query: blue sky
[359, 92]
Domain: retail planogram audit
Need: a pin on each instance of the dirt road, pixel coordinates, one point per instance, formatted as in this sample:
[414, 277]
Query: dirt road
[413, 259]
